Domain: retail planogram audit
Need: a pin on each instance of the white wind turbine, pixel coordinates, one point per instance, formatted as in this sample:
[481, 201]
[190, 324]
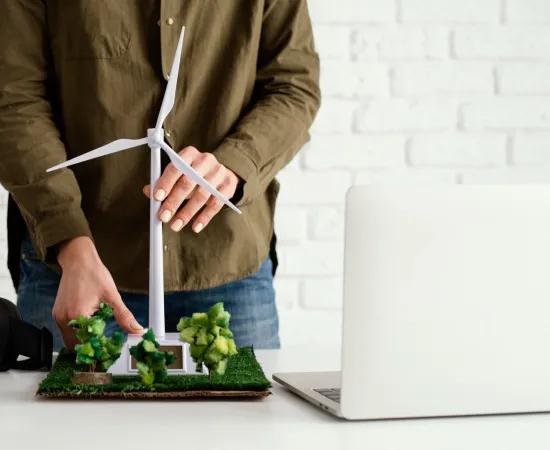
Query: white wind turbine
[155, 140]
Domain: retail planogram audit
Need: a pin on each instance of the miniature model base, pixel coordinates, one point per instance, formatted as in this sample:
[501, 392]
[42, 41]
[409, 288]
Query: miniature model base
[244, 378]
[184, 364]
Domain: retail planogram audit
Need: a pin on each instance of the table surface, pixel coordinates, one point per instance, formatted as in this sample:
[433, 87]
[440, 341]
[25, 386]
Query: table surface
[281, 421]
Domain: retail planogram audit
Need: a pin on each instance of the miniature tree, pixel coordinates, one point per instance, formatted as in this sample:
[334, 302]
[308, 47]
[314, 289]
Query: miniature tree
[211, 340]
[96, 352]
[151, 363]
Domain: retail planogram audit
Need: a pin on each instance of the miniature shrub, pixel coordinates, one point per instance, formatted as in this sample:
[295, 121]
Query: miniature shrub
[151, 363]
[96, 352]
[211, 340]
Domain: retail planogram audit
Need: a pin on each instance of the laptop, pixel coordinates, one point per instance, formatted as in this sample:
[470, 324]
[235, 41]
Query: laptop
[446, 304]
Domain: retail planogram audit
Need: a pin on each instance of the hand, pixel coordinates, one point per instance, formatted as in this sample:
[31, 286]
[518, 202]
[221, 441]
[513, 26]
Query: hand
[173, 187]
[85, 283]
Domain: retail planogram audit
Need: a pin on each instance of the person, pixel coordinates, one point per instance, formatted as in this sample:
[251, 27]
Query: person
[76, 75]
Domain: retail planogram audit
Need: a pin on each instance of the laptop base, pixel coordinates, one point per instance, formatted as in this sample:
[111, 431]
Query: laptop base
[307, 384]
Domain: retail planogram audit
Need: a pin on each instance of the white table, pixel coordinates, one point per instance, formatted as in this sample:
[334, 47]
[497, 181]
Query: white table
[281, 421]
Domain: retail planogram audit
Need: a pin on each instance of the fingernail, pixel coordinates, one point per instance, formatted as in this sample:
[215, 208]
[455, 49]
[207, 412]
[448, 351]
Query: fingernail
[165, 216]
[198, 227]
[136, 326]
[160, 194]
[177, 225]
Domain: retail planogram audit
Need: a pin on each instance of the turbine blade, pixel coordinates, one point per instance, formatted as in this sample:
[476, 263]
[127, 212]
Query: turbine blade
[195, 176]
[107, 149]
[170, 93]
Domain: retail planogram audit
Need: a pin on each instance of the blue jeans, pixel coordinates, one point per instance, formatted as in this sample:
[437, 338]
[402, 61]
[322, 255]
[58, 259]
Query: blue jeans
[250, 300]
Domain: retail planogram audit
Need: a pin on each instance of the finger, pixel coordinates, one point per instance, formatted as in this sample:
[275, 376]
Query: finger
[181, 190]
[213, 207]
[68, 335]
[171, 174]
[67, 332]
[147, 190]
[123, 315]
[197, 200]
[206, 165]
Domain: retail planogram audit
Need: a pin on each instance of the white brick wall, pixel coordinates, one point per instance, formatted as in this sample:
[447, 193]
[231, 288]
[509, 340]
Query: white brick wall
[417, 92]
[505, 41]
[441, 11]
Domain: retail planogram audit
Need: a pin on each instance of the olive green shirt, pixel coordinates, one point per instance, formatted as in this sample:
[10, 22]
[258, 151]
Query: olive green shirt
[76, 74]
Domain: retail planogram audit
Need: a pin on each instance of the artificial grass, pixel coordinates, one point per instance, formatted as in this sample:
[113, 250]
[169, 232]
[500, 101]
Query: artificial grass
[243, 373]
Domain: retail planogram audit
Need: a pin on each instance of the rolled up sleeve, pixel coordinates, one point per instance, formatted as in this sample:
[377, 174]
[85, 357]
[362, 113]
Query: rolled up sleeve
[285, 100]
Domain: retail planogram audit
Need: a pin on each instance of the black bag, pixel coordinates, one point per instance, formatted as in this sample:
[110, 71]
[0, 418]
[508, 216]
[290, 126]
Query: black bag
[20, 338]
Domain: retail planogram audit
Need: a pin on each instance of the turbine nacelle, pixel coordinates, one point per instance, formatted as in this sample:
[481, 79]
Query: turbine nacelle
[155, 137]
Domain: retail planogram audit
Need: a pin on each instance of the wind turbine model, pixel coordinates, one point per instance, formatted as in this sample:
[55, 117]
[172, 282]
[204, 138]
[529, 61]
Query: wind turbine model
[155, 140]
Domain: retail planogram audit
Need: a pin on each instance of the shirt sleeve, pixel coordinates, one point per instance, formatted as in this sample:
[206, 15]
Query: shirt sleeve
[29, 138]
[285, 101]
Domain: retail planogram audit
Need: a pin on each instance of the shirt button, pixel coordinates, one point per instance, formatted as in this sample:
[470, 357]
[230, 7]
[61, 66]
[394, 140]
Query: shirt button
[170, 21]
[165, 248]
[167, 76]
[167, 133]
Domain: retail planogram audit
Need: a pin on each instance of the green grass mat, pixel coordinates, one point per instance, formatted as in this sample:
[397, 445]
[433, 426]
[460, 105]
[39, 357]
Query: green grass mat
[243, 373]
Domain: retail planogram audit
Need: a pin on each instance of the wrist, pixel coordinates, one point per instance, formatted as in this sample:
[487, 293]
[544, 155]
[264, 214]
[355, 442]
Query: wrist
[76, 250]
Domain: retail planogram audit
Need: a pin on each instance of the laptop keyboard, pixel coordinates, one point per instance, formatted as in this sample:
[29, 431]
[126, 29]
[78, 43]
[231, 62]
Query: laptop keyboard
[330, 393]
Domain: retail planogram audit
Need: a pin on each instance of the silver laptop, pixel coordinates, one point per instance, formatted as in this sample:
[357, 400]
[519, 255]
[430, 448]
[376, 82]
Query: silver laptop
[446, 304]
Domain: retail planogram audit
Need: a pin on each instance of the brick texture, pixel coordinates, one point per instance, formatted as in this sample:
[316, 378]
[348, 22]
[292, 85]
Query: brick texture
[463, 11]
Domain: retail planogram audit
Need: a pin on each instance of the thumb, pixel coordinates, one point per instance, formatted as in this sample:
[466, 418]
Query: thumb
[123, 315]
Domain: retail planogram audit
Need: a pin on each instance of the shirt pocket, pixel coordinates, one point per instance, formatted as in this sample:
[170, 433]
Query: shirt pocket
[90, 29]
